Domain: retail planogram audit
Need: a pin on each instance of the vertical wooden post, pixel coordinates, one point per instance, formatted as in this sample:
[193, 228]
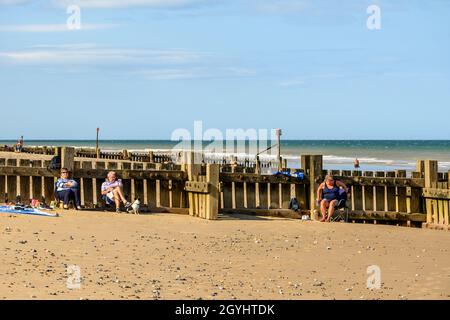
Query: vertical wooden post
[150, 157]
[420, 167]
[313, 168]
[193, 171]
[82, 198]
[212, 205]
[431, 173]
[245, 191]
[401, 193]
[280, 196]
[233, 190]
[94, 186]
[379, 204]
[68, 158]
[431, 176]
[257, 197]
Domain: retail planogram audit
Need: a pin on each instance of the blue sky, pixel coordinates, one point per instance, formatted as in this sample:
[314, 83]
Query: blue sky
[140, 69]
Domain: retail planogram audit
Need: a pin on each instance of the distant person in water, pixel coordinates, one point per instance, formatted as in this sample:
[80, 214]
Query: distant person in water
[112, 191]
[67, 189]
[329, 196]
[356, 163]
[19, 145]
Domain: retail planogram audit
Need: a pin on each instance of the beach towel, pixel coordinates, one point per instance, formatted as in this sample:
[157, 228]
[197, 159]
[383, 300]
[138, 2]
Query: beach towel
[297, 174]
[23, 210]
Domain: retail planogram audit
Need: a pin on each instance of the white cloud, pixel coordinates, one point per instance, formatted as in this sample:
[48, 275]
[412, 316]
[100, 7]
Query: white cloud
[195, 73]
[12, 2]
[52, 27]
[151, 64]
[281, 6]
[85, 54]
[129, 3]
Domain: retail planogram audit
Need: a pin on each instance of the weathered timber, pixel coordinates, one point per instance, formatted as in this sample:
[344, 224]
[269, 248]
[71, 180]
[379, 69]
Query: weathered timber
[95, 173]
[256, 178]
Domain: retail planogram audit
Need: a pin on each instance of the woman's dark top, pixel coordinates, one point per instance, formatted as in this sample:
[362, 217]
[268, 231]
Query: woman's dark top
[330, 194]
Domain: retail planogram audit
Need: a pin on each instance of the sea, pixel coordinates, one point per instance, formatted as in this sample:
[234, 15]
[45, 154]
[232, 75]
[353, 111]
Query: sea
[373, 155]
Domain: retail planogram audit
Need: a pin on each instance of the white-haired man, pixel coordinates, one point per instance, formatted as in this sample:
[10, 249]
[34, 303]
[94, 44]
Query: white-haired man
[112, 191]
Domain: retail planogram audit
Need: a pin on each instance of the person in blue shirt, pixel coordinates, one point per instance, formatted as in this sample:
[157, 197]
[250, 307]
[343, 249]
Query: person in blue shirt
[67, 189]
[329, 194]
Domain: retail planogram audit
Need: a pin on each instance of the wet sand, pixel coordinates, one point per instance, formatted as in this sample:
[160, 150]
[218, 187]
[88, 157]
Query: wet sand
[168, 256]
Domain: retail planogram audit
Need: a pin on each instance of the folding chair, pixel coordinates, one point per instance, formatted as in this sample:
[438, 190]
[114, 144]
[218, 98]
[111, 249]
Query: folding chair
[340, 211]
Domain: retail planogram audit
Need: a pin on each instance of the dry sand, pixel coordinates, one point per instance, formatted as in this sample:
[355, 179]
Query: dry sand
[167, 256]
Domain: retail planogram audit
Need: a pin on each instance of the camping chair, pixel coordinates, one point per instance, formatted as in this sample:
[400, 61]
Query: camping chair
[341, 211]
[59, 200]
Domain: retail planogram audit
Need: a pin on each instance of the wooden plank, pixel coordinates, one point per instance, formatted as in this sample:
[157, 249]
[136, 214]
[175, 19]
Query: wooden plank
[145, 191]
[436, 193]
[177, 194]
[416, 200]
[138, 191]
[212, 177]
[233, 195]
[263, 196]
[2, 188]
[257, 196]
[293, 191]
[251, 203]
[239, 195]
[429, 209]
[24, 191]
[227, 192]
[158, 193]
[285, 195]
[11, 183]
[401, 193]
[245, 195]
[434, 204]
[280, 194]
[68, 158]
[274, 195]
[82, 194]
[94, 185]
[49, 189]
[151, 194]
[431, 173]
[447, 213]
[441, 211]
[391, 194]
[357, 197]
[379, 203]
[368, 198]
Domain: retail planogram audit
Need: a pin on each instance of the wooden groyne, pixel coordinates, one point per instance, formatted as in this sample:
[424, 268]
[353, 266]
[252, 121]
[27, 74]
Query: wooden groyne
[204, 189]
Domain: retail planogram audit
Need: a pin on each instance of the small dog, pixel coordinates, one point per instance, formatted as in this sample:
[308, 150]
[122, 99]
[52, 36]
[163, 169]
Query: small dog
[135, 207]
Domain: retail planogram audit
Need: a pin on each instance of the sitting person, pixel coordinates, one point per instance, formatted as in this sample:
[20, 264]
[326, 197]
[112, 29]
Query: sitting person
[19, 145]
[112, 191]
[330, 196]
[67, 189]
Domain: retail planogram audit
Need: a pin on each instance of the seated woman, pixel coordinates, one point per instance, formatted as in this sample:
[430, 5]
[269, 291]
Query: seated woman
[67, 189]
[112, 191]
[329, 194]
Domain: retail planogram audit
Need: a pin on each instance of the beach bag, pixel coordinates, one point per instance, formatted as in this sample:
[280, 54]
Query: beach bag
[55, 163]
[294, 205]
[299, 175]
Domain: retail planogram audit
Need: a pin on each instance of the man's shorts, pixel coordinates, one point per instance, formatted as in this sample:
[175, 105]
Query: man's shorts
[109, 198]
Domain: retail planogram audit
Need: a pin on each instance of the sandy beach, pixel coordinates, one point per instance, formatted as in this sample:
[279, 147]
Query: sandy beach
[169, 256]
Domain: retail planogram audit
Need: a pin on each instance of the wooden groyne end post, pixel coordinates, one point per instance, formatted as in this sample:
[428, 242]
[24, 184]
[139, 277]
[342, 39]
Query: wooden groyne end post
[312, 166]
